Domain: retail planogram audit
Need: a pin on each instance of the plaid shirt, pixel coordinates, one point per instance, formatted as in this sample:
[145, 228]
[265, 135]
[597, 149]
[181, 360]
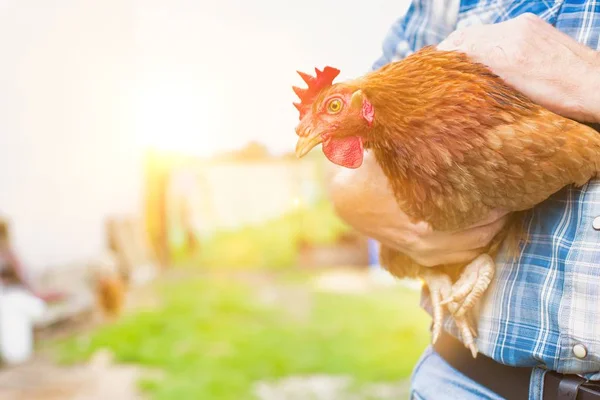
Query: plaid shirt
[540, 307]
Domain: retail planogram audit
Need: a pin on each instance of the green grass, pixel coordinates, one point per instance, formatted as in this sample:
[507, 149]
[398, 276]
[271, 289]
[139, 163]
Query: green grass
[273, 244]
[213, 339]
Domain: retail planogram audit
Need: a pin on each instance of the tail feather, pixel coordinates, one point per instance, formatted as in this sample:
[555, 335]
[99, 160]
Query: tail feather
[398, 264]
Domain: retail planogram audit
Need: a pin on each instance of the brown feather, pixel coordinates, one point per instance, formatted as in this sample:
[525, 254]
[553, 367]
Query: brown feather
[457, 142]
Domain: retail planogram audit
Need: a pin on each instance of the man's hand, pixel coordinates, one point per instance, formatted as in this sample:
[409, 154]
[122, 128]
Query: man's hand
[364, 199]
[541, 62]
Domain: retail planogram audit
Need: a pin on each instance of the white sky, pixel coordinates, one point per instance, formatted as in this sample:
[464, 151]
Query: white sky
[85, 84]
[215, 75]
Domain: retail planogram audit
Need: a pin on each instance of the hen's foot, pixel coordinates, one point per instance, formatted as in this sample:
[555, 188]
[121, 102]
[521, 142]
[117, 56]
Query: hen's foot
[468, 334]
[471, 285]
[440, 287]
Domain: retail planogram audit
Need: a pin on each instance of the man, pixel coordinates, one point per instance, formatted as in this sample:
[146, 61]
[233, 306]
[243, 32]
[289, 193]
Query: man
[542, 311]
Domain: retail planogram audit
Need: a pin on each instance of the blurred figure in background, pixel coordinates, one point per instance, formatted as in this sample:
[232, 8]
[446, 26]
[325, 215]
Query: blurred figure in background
[20, 304]
[12, 273]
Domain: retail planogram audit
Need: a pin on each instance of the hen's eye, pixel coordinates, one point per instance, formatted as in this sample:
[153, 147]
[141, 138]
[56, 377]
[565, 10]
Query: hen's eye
[334, 106]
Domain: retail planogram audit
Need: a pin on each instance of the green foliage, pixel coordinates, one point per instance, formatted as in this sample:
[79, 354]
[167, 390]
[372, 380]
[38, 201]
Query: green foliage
[213, 339]
[274, 244]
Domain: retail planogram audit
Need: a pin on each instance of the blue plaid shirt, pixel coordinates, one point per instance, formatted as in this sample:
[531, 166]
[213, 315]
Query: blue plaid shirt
[548, 301]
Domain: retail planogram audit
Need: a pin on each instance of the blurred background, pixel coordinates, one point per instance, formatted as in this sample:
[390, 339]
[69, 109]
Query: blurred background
[158, 237]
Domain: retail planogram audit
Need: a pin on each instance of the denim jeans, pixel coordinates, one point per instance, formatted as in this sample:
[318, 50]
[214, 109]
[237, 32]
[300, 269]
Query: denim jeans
[434, 379]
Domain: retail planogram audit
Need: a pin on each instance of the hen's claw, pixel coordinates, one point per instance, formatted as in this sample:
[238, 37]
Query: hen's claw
[466, 331]
[440, 286]
[465, 328]
[471, 285]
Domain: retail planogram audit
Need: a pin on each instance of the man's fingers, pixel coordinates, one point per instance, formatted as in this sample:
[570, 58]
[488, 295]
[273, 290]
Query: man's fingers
[480, 236]
[467, 240]
[435, 259]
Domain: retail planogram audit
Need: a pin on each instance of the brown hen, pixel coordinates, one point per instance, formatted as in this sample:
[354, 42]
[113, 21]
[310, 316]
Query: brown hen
[455, 142]
[111, 292]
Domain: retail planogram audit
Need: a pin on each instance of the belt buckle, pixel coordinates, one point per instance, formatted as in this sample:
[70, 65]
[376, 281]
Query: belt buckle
[590, 389]
[568, 386]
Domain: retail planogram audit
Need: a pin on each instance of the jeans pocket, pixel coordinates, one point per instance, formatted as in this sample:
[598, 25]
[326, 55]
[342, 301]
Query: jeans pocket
[414, 395]
[434, 379]
[426, 354]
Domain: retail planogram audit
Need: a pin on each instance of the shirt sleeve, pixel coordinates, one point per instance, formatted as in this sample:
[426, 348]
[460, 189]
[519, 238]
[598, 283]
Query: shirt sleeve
[426, 22]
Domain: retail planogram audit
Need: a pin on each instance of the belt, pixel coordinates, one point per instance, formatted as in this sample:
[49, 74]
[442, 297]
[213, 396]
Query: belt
[512, 382]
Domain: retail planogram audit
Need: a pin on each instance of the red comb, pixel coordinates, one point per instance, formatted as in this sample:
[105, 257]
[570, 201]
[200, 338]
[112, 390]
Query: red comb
[315, 85]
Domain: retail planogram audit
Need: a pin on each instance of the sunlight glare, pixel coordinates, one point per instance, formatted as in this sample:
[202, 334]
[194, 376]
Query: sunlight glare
[177, 117]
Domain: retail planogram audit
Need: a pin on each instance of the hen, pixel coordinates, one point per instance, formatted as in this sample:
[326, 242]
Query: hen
[455, 142]
[111, 292]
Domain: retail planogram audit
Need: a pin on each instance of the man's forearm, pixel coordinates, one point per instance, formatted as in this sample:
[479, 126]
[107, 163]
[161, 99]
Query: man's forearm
[548, 66]
[592, 99]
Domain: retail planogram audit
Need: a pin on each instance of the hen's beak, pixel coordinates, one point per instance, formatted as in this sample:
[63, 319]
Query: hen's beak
[307, 143]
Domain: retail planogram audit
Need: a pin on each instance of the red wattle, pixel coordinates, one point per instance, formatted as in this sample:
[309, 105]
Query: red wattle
[346, 152]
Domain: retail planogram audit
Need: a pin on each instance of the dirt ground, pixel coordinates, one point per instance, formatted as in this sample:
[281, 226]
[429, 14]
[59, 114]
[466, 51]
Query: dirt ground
[328, 387]
[40, 379]
[100, 379]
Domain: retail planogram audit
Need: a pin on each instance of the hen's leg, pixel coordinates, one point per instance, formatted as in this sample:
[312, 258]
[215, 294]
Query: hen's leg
[468, 334]
[440, 287]
[471, 285]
